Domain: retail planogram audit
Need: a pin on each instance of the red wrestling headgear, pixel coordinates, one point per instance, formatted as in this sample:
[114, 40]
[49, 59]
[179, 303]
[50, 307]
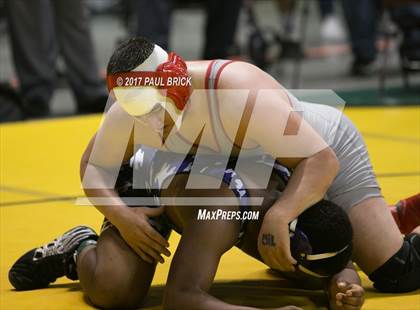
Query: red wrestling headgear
[176, 66]
[170, 77]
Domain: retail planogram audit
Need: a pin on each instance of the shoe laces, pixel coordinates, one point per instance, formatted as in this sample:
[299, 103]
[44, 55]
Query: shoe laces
[52, 248]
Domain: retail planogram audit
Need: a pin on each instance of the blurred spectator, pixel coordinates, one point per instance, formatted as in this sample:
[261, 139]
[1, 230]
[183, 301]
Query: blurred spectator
[153, 22]
[362, 18]
[331, 28]
[39, 30]
[406, 15]
[222, 19]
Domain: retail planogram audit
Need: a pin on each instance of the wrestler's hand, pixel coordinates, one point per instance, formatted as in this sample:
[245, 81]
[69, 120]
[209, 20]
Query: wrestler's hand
[135, 229]
[346, 296]
[274, 242]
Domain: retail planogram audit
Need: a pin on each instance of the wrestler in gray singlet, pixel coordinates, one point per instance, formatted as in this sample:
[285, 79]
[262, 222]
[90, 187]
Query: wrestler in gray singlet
[355, 180]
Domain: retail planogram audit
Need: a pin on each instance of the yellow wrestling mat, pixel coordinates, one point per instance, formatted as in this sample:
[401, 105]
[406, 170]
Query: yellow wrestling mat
[39, 183]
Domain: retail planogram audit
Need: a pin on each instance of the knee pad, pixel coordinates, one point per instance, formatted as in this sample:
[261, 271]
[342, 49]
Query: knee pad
[401, 273]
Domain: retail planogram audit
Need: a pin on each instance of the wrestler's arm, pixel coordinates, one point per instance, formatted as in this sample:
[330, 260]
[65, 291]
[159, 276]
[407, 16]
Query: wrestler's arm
[345, 290]
[296, 145]
[107, 150]
[284, 134]
[308, 184]
[195, 263]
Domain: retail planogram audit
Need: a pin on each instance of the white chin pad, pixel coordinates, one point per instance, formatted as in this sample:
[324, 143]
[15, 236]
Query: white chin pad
[138, 101]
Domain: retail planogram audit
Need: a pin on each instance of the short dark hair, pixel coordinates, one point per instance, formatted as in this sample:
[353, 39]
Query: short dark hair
[328, 229]
[130, 54]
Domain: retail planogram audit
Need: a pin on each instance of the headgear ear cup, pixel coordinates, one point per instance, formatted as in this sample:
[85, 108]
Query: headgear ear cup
[299, 242]
[302, 251]
[177, 66]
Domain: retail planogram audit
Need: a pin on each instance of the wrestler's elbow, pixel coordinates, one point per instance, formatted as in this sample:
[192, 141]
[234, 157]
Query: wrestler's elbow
[82, 168]
[330, 162]
[90, 178]
[84, 177]
[85, 162]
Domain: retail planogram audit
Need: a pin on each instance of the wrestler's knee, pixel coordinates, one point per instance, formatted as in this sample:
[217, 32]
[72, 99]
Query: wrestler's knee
[116, 292]
[401, 273]
[118, 279]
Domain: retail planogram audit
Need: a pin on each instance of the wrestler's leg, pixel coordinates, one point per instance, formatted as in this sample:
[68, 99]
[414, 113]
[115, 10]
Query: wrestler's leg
[376, 235]
[392, 263]
[111, 274]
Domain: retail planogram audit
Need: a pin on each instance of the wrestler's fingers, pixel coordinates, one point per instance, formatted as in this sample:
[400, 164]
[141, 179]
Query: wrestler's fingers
[155, 236]
[156, 246]
[348, 302]
[339, 299]
[152, 253]
[274, 263]
[142, 255]
[355, 291]
[267, 258]
[285, 263]
[342, 286]
[152, 212]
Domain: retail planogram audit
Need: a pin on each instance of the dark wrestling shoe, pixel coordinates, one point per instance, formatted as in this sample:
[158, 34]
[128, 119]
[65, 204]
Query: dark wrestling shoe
[41, 266]
[407, 213]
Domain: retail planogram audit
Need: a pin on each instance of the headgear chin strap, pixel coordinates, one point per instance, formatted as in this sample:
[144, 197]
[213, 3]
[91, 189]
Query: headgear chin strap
[302, 250]
[167, 73]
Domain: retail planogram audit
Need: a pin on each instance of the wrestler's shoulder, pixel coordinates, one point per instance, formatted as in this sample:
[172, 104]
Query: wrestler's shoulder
[241, 74]
[116, 111]
[115, 115]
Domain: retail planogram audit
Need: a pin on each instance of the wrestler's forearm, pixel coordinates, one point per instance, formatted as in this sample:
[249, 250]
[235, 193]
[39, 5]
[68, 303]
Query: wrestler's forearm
[195, 263]
[106, 200]
[308, 184]
[96, 182]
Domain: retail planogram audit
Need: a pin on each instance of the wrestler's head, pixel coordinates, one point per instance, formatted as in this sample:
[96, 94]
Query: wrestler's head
[141, 76]
[321, 240]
